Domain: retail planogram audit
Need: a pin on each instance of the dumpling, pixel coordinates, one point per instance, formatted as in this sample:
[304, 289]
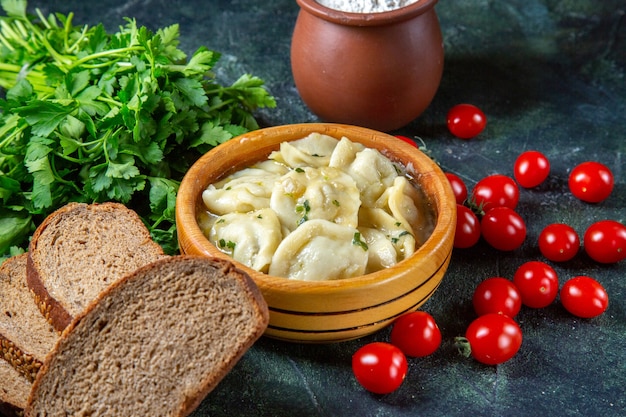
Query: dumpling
[250, 238]
[320, 250]
[344, 153]
[401, 238]
[398, 201]
[382, 253]
[373, 174]
[246, 190]
[313, 151]
[316, 193]
[401, 201]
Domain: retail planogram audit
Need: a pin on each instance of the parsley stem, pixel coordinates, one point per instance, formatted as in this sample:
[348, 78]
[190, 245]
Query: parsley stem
[221, 104]
[109, 100]
[20, 28]
[61, 59]
[11, 73]
[10, 125]
[122, 52]
[6, 43]
[8, 30]
[80, 39]
[43, 19]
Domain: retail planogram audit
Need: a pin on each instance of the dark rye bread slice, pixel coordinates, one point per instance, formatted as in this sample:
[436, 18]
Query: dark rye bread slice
[14, 390]
[155, 343]
[79, 250]
[25, 335]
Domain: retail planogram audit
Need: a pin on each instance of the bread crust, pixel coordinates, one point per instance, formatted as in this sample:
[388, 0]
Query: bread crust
[192, 398]
[50, 308]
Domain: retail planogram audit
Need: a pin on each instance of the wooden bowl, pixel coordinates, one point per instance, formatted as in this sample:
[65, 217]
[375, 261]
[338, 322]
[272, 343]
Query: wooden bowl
[329, 311]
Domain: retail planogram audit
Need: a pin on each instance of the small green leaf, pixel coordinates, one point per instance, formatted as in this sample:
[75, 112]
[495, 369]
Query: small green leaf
[201, 62]
[163, 197]
[150, 153]
[192, 90]
[14, 227]
[15, 8]
[44, 116]
[87, 101]
[211, 135]
[72, 127]
[122, 190]
[8, 187]
[77, 82]
[124, 170]
[21, 91]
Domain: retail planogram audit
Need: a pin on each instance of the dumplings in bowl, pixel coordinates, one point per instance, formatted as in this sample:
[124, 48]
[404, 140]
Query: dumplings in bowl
[307, 309]
[318, 209]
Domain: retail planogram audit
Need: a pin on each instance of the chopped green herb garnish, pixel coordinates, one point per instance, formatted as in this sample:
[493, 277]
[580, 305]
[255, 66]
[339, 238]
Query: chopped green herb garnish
[303, 209]
[395, 240]
[356, 240]
[227, 244]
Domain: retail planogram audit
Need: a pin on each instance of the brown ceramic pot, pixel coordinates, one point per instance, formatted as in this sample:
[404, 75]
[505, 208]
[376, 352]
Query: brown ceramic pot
[377, 70]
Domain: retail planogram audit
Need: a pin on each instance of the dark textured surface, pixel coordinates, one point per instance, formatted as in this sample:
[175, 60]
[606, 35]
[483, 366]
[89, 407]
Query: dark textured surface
[549, 75]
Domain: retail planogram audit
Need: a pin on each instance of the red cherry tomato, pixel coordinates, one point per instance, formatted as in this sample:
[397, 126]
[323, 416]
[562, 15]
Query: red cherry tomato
[407, 140]
[605, 241]
[531, 169]
[379, 367]
[416, 334]
[494, 338]
[458, 187]
[584, 297]
[559, 242]
[503, 228]
[496, 191]
[467, 231]
[591, 182]
[497, 295]
[466, 121]
[537, 283]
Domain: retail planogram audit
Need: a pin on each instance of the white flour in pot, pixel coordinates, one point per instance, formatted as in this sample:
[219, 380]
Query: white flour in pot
[365, 6]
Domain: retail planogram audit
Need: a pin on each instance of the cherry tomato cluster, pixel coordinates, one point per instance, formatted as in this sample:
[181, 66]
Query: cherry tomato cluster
[381, 367]
[495, 337]
[490, 212]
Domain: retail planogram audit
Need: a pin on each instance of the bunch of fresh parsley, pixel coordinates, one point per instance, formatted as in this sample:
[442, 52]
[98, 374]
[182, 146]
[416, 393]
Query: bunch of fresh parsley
[90, 116]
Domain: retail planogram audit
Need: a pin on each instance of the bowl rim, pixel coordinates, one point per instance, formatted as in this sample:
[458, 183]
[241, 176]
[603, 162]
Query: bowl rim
[445, 208]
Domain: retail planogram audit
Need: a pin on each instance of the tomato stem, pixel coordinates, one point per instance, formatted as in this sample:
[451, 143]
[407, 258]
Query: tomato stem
[463, 345]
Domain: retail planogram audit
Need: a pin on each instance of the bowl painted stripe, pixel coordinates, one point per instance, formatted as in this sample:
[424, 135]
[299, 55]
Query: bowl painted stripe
[348, 329]
[333, 313]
